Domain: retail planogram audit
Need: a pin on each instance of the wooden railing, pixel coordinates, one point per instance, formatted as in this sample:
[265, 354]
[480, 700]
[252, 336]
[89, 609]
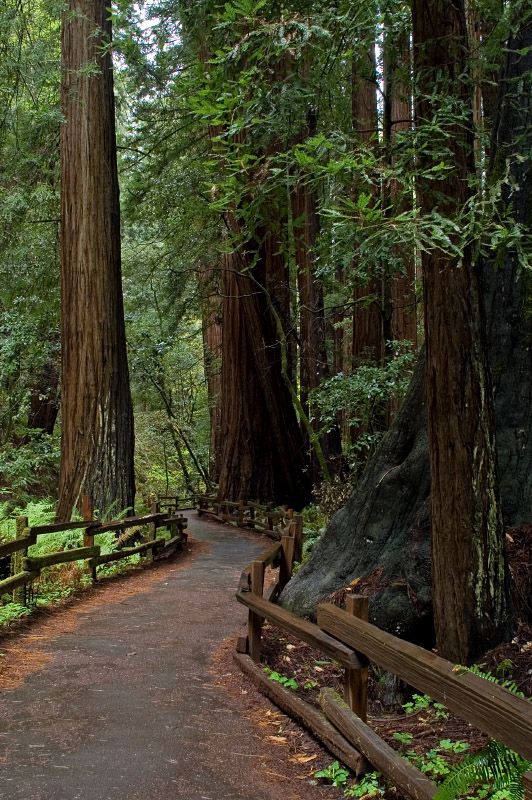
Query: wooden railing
[349, 639]
[173, 502]
[271, 521]
[25, 568]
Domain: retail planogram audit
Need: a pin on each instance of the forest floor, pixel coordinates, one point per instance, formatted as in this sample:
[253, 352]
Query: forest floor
[130, 692]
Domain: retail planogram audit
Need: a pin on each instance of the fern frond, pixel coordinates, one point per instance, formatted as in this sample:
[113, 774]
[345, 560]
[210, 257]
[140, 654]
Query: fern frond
[495, 765]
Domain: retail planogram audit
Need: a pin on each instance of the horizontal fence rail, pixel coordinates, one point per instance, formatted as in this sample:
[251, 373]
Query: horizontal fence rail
[26, 569]
[349, 639]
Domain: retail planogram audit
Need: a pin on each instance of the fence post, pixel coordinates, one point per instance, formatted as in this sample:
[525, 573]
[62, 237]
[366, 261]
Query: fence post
[269, 520]
[527, 783]
[296, 528]
[287, 560]
[88, 538]
[356, 680]
[88, 514]
[20, 595]
[154, 509]
[255, 622]
[240, 513]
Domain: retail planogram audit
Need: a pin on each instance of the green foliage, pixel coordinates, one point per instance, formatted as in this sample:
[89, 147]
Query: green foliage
[495, 772]
[335, 774]
[364, 396]
[288, 683]
[12, 611]
[369, 786]
[421, 701]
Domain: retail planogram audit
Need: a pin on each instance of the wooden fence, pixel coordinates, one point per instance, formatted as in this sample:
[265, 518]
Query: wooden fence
[349, 639]
[274, 522]
[25, 568]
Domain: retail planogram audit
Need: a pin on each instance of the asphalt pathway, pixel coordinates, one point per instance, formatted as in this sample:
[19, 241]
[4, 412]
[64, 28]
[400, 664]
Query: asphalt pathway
[126, 708]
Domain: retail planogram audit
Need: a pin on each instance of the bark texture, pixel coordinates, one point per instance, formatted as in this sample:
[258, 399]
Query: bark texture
[470, 611]
[313, 366]
[211, 318]
[367, 341]
[44, 399]
[263, 452]
[97, 419]
[384, 530]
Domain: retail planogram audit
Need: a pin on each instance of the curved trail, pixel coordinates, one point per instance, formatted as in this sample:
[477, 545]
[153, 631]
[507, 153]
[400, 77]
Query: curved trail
[126, 708]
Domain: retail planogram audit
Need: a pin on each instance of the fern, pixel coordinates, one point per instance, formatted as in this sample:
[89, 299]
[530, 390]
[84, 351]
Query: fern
[496, 765]
[506, 684]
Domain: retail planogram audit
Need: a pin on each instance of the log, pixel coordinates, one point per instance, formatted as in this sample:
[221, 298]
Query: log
[99, 527]
[128, 522]
[20, 579]
[399, 772]
[256, 506]
[58, 527]
[32, 563]
[273, 592]
[176, 541]
[312, 719]
[302, 628]
[494, 710]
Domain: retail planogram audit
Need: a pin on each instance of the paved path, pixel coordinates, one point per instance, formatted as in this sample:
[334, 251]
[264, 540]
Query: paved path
[126, 708]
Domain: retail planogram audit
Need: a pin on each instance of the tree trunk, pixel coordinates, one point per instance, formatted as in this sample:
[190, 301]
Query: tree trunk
[368, 341]
[313, 367]
[97, 420]
[211, 318]
[263, 451]
[397, 120]
[382, 535]
[470, 613]
[44, 400]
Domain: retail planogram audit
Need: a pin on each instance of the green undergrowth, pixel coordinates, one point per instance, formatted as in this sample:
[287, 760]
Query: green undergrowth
[60, 581]
[493, 773]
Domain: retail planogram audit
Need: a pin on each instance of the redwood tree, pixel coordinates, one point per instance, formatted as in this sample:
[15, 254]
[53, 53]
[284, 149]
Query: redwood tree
[382, 535]
[97, 421]
[470, 610]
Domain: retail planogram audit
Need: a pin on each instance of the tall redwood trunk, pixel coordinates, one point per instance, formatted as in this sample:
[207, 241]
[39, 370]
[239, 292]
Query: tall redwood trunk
[313, 366]
[398, 119]
[211, 317]
[263, 454]
[368, 341]
[97, 419]
[469, 601]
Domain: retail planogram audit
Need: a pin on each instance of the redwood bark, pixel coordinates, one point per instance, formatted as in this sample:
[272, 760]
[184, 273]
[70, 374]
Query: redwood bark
[263, 455]
[468, 555]
[368, 341]
[97, 420]
[313, 366]
[44, 400]
[211, 318]
[398, 119]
